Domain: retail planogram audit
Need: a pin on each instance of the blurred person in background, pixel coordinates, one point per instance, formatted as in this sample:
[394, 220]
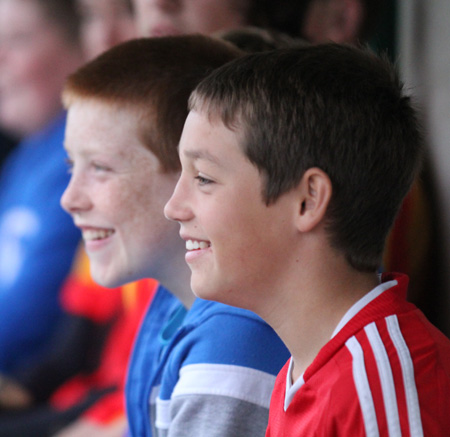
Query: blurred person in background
[315, 20]
[105, 23]
[38, 49]
[342, 21]
[82, 374]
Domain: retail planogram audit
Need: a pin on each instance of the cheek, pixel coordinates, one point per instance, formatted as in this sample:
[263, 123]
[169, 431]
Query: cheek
[19, 69]
[151, 237]
[137, 205]
[33, 60]
[109, 201]
[32, 76]
[242, 237]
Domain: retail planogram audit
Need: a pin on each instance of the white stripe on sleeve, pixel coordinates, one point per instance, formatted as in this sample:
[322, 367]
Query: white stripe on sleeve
[412, 398]
[363, 388]
[386, 379]
[238, 382]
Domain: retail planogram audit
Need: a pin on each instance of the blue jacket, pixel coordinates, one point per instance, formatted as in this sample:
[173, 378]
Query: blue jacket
[37, 243]
[207, 371]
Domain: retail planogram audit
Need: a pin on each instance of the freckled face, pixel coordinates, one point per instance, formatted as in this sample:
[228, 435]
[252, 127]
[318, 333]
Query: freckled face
[237, 245]
[116, 195]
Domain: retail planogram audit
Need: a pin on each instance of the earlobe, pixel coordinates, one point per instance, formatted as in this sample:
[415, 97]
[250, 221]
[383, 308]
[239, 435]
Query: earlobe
[315, 191]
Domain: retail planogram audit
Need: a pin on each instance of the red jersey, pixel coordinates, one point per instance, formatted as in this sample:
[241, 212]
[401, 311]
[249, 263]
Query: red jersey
[385, 372]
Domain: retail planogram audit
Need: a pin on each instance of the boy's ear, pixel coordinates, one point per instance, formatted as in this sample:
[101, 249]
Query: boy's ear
[314, 191]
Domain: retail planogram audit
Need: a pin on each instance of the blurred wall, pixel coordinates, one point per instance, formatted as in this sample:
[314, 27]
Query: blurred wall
[424, 57]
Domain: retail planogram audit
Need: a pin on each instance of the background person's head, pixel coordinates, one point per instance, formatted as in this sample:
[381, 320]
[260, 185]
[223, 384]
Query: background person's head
[39, 47]
[105, 23]
[341, 21]
[343, 111]
[315, 20]
[177, 17]
[126, 111]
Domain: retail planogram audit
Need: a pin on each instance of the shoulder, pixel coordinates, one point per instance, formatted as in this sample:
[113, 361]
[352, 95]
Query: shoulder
[207, 315]
[224, 335]
[400, 369]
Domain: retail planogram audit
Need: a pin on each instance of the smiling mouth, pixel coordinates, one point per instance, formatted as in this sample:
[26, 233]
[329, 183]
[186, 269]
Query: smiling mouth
[96, 234]
[196, 245]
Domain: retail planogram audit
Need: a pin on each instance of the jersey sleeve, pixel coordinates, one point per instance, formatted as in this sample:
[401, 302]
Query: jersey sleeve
[216, 416]
[227, 375]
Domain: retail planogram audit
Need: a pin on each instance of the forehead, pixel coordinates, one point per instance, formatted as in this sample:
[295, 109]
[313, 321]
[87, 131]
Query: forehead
[92, 122]
[208, 139]
[88, 111]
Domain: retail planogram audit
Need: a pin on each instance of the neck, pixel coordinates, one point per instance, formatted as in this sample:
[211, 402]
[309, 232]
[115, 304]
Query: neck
[175, 275]
[308, 309]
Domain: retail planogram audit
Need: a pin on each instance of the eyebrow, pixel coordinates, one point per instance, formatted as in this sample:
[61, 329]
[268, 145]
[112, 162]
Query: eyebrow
[202, 155]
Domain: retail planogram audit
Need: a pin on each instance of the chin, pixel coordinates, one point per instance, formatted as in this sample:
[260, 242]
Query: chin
[200, 291]
[105, 280]
[208, 293]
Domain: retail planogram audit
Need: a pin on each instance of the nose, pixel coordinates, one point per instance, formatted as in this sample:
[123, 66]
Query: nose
[177, 208]
[75, 198]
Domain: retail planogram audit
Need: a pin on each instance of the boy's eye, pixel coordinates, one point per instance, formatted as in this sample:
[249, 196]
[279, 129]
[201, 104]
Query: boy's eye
[202, 180]
[99, 167]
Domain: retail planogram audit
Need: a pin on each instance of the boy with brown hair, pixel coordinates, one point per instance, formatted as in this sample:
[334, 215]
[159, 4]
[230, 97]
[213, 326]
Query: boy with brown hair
[294, 165]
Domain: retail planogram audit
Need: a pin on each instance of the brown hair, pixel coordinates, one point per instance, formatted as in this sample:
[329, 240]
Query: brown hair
[154, 77]
[335, 107]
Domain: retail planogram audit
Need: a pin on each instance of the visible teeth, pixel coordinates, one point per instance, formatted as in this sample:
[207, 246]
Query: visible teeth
[194, 245]
[91, 234]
